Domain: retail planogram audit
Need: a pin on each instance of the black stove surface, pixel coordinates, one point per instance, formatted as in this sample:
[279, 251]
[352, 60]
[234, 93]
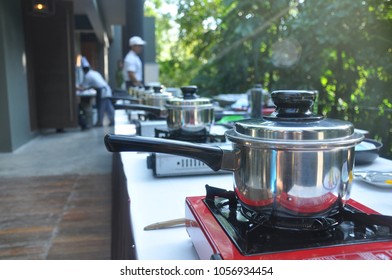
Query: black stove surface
[201, 136]
[349, 226]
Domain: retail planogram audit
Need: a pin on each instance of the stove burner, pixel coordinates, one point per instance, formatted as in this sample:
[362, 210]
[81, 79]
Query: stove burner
[288, 223]
[201, 136]
[276, 234]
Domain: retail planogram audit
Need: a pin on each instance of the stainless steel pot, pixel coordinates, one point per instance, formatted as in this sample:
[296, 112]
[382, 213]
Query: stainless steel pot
[292, 163]
[190, 113]
[151, 100]
[157, 98]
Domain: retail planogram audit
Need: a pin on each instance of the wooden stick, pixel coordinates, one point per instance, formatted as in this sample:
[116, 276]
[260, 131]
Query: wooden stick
[166, 224]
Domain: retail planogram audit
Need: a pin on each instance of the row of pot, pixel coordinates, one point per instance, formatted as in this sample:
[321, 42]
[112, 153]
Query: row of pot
[151, 95]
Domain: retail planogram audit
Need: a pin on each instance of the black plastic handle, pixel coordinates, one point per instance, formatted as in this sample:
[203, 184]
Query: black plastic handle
[294, 105]
[189, 92]
[159, 112]
[211, 156]
[157, 89]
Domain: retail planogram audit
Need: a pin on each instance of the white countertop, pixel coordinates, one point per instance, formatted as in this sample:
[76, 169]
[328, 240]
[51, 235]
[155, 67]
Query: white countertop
[159, 199]
[86, 93]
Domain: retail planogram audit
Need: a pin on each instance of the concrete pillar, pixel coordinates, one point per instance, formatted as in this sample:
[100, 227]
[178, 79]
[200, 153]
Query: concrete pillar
[134, 16]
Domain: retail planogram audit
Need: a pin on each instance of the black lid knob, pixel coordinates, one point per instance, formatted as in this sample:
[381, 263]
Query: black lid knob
[294, 104]
[189, 92]
[158, 89]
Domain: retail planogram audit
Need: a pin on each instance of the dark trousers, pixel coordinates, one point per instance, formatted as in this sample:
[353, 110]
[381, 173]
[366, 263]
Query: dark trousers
[98, 101]
[106, 106]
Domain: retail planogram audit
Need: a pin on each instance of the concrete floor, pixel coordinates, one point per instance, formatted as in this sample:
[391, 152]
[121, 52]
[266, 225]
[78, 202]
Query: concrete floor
[70, 152]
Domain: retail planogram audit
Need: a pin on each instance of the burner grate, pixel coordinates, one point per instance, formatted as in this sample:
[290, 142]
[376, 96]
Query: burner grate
[200, 136]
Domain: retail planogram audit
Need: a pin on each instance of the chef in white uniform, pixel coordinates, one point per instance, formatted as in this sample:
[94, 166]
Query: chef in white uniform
[133, 68]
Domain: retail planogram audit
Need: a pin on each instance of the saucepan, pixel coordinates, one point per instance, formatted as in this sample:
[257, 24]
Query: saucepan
[292, 163]
[157, 97]
[190, 112]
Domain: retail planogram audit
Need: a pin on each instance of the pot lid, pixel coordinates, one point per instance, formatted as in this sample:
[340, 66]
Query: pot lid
[189, 99]
[159, 93]
[294, 123]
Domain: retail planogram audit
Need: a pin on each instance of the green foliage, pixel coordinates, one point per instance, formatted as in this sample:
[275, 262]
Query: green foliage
[341, 48]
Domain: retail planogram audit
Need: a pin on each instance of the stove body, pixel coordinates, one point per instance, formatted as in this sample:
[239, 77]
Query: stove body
[219, 229]
[166, 165]
[147, 128]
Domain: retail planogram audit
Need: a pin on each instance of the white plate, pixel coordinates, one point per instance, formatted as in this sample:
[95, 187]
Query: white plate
[375, 178]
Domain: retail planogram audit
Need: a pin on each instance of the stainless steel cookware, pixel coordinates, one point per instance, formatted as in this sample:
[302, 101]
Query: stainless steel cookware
[157, 98]
[292, 163]
[190, 113]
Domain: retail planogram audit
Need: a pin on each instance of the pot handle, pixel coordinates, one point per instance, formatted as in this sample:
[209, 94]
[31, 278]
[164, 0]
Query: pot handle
[159, 112]
[133, 100]
[211, 156]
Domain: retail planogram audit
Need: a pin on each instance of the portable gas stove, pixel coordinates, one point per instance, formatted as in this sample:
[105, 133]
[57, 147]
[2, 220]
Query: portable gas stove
[167, 165]
[143, 116]
[145, 123]
[148, 127]
[221, 229]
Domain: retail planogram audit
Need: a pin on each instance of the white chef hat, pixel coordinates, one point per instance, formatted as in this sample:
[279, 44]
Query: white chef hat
[85, 62]
[136, 40]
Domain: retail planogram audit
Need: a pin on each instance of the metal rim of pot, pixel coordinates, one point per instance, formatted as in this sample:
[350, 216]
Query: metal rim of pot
[189, 101]
[294, 126]
[295, 144]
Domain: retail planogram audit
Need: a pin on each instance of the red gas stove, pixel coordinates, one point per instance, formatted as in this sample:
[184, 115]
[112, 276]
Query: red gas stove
[220, 228]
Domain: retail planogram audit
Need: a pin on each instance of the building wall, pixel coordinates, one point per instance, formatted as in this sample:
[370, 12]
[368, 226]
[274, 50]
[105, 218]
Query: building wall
[151, 68]
[18, 103]
[115, 54]
[51, 66]
[149, 35]
[14, 102]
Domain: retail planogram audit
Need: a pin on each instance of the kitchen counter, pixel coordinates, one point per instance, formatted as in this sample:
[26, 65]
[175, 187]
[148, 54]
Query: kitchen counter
[158, 199]
[86, 101]
[86, 93]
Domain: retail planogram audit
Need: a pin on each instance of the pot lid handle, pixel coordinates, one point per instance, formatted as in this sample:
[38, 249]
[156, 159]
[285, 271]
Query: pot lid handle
[189, 92]
[158, 89]
[294, 105]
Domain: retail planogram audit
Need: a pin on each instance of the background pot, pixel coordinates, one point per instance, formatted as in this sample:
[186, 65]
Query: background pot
[190, 113]
[157, 98]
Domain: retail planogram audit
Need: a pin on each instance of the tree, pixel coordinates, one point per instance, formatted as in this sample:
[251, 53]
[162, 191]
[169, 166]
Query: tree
[341, 48]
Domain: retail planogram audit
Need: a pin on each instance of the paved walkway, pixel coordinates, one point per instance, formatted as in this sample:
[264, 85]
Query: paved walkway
[55, 197]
